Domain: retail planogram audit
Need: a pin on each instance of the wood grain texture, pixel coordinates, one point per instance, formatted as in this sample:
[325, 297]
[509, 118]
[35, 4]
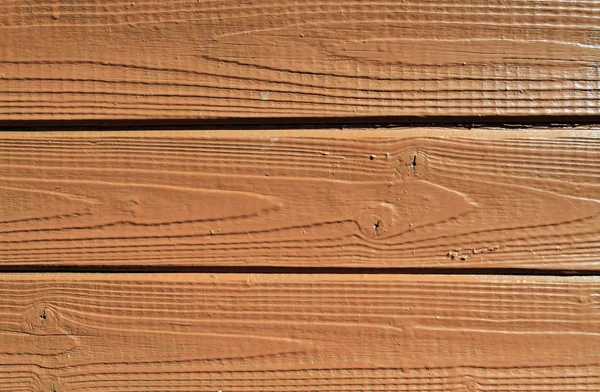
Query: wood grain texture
[109, 59]
[298, 333]
[400, 198]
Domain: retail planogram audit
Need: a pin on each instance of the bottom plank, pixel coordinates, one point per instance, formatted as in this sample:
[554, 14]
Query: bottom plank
[200, 332]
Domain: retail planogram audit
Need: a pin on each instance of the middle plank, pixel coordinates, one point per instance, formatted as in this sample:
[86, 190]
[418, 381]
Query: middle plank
[427, 198]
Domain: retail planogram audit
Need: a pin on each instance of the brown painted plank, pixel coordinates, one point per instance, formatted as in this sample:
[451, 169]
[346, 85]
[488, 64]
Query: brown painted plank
[363, 198]
[66, 59]
[189, 332]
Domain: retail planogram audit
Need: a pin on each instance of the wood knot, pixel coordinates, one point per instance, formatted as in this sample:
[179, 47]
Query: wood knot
[40, 317]
[471, 386]
[588, 301]
[42, 333]
[412, 165]
[377, 220]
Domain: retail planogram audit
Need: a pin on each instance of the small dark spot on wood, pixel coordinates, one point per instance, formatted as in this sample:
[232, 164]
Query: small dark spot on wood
[377, 226]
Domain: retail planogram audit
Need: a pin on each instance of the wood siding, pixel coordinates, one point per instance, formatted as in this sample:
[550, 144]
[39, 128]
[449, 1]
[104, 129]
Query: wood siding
[188, 332]
[414, 198]
[65, 59]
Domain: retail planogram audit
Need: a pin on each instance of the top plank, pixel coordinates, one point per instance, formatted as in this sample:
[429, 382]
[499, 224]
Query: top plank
[219, 59]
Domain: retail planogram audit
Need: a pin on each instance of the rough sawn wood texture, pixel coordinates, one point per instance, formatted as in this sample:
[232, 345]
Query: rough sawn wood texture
[406, 198]
[109, 59]
[188, 332]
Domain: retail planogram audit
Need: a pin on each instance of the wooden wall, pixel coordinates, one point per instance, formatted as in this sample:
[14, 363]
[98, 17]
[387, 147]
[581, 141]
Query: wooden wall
[292, 195]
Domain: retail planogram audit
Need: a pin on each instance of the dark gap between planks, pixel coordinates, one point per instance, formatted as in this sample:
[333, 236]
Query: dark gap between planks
[294, 270]
[303, 123]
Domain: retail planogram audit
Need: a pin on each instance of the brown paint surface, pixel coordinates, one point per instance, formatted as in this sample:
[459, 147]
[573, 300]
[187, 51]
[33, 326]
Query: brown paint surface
[401, 198]
[419, 200]
[63, 59]
[176, 332]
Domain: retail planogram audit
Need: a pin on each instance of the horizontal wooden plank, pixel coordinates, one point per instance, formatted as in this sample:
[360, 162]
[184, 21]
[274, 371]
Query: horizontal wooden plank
[188, 332]
[109, 59]
[400, 198]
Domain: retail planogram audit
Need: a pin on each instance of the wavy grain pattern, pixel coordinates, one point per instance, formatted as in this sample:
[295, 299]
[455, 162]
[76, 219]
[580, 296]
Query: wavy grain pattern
[188, 332]
[161, 59]
[401, 198]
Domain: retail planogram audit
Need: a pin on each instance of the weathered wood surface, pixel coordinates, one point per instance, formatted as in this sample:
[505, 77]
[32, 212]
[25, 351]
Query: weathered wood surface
[400, 198]
[188, 332]
[66, 59]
